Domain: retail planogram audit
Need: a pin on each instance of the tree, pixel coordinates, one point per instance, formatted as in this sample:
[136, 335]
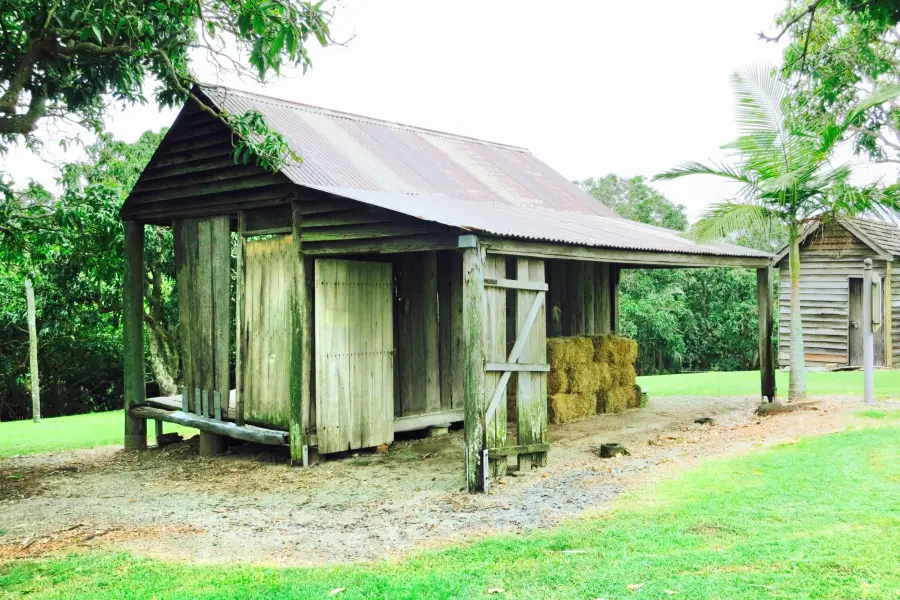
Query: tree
[74, 245]
[63, 59]
[783, 169]
[633, 198]
[839, 51]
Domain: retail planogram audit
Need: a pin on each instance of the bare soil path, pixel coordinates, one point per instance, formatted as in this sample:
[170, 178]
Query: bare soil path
[249, 506]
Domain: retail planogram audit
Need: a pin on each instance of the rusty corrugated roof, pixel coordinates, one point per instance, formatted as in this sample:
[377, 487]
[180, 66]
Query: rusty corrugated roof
[450, 179]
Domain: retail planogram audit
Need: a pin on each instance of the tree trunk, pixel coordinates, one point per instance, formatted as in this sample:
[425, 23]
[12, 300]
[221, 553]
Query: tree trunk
[797, 383]
[162, 342]
[32, 353]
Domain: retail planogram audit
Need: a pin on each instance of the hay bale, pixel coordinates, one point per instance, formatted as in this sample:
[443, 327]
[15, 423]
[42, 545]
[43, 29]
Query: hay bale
[589, 378]
[565, 408]
[557, 382]
[565, 352]
[614, 349]
[623, 375]
[617, 399]
[636, 402]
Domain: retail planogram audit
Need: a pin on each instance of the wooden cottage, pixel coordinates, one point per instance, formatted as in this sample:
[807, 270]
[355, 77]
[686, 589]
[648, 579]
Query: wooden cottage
[393, 280]
[831, 272]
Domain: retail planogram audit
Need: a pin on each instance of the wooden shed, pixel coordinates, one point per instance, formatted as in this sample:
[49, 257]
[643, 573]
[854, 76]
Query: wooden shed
[395, 279]
[831, 274]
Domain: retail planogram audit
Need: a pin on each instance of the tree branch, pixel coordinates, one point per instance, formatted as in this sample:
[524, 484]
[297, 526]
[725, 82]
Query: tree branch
[810, 10]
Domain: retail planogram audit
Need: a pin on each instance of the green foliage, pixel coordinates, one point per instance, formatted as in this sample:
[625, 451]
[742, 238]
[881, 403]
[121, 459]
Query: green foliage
[789, 523]
[837, 53]
[73, 248]
[63, 59]
[634, 199]
[697, 319]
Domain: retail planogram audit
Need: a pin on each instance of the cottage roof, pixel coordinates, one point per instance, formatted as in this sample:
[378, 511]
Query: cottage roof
[882, 236]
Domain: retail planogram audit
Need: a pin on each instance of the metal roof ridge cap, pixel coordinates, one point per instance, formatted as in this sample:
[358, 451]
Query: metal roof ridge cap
[274, 100]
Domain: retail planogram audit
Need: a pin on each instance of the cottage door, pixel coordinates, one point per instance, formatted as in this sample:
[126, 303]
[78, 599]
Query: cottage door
[855, 333]
[354, 352]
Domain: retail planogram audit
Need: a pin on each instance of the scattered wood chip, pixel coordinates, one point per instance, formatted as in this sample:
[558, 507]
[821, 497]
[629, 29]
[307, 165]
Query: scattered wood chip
[335, 592]
[670, 592]
[495, 590]
[635, 587]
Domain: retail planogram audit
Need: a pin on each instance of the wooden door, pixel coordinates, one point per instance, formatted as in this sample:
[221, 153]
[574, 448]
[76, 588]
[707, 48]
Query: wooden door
[855, 331]
[354, 354]
[266, 326]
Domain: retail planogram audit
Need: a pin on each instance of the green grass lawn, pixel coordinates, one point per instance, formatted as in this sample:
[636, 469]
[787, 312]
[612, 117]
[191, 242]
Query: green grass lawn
[746, 383]
[816, 519]
[67, 433]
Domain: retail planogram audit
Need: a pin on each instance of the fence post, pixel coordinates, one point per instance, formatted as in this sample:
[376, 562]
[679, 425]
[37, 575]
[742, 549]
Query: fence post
[868, 335]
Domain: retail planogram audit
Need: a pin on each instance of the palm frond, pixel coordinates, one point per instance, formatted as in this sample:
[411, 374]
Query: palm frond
[713, 168]
[727, 218]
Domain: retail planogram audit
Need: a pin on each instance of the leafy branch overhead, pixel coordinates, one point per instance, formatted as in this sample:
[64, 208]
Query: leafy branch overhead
[62, 59]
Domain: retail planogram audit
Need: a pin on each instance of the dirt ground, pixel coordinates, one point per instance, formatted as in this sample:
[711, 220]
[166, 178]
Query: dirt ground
[249, 506]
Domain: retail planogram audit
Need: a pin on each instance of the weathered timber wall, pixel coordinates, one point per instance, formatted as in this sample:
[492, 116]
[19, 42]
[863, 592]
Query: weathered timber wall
[203, 279]
[418, 365]
[828, 259]
[581, 298]
[450, 329]
[266, 325]
[354, 354]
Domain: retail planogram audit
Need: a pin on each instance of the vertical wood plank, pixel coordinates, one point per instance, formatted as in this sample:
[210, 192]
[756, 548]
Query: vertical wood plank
[133, 334]
[615, 273]
[430, 353]
[590, 298]
[473, 300]
[457, 331]
[220, 258]
[299, 343]
[573, 299]
[445, 347]
[495, 351]
[531, 388]
[603, 307]
[764, 300]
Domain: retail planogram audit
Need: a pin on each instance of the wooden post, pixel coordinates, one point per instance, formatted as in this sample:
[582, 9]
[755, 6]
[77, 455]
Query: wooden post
[473, 298]
[301, 345]
[868, 335]
[764, 278]
[133, 334]
[32, 353]
[239, 346]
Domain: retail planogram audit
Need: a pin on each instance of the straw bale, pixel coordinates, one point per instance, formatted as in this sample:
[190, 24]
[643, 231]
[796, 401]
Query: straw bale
[565, 352]
[565, 408]
[589, 379]
[557, 382]
[617, 399]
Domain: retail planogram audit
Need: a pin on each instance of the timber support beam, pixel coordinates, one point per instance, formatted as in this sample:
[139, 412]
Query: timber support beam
[764, 299]
[133, 334]
[473, 315]
[301, 345]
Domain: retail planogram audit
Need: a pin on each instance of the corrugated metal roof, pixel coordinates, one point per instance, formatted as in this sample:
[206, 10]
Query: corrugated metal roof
[540, 223]
[449, 179]
[350, 151]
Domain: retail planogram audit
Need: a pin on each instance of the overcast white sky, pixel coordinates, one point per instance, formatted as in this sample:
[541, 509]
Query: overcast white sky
[591, 88]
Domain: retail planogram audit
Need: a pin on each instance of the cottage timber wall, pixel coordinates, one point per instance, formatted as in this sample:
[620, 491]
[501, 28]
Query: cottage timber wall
[828, 258]
[582, 297]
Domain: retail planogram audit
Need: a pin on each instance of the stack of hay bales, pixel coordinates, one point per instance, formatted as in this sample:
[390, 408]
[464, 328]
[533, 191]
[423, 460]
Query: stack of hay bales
[591, 375]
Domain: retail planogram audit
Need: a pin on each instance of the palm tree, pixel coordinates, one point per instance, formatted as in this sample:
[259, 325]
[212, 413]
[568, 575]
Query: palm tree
[785, 174]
